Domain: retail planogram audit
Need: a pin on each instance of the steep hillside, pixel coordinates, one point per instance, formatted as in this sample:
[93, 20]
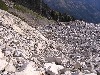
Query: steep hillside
[67, 48]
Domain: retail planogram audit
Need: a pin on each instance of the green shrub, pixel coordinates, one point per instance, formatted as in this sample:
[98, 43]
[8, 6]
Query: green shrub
[20, 8]
[3, 6]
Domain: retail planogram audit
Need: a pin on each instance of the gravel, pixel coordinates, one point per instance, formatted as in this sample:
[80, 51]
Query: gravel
[71, 48]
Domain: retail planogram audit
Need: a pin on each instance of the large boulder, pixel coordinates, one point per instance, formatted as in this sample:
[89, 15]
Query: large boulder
[53, 69]
[30, 70]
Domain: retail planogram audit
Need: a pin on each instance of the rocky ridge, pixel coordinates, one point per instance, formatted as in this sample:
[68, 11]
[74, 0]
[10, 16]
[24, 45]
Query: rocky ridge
[62, 49]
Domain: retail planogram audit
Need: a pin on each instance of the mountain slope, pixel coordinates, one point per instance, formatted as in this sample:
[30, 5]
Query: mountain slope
[39, 46]
[41, 8]
[88, 10]
[72, 46]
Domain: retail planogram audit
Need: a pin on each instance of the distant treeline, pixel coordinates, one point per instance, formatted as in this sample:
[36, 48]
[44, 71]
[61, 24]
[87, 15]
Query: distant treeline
[40, 7]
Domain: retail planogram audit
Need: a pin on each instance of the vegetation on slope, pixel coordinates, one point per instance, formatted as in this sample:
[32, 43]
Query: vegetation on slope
[3, 5]
[38, 8]
[41, 8]
[26, 10]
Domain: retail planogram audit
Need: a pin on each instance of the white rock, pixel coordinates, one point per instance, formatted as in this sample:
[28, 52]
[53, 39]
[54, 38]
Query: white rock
[80, 73]
[30, 73]
[17, 29]
[91, 74]
[97, 59]
[67, 73]
[3, 64]
[7, 53]
[83, 63]
[17, 53]
[53, 68]
[5, 72]
[10, 67]
[68, 26]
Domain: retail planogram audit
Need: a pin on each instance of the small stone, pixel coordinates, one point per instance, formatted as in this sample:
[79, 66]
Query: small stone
[3, 64]
[67, 73]
[7, 53]
[17, 53]
[81, 73]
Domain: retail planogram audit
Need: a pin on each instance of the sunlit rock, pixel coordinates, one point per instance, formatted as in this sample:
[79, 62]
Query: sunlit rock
[52, 68]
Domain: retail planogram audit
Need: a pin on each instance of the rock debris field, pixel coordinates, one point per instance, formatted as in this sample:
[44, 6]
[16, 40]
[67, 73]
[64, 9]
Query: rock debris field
[71, 48]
